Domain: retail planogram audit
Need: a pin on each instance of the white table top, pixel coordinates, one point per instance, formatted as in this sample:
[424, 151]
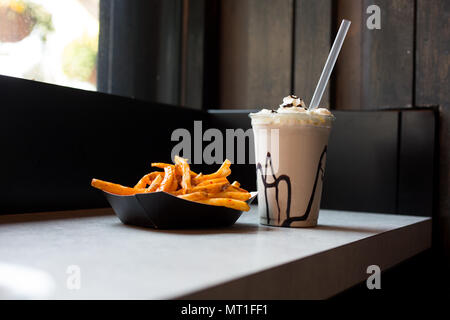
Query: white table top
[246, 260]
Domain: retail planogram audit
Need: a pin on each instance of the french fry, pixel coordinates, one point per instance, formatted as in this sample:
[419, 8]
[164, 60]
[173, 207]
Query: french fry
[244, 196]
[197, 177]
[162, 165]
[155, 184]
[211, 188]
[195, 196]
[174, 185]
[236, 184]
[169, 175]
[115, 188]
[225, 202]
[185, 174]
[235, 187]
[212, 181]
[147, 179]
[177, 192]
[193, 174]
[179, 180]
[224, 171]
[143, 182]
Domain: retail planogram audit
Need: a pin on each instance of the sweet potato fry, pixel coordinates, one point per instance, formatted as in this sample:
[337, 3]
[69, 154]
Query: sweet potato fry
[211, 188]
[229, 203]
[236, 184]
[234, 188]
[179, 180]
[115, 188]
[143, 182]
[185, 174]
[224, 171]
[155, 184]
[244, 196]
[194, 196]
[169, 175]
[177, 192]
[147, 179]
[212, 181]
[162, 165]
[174, 186]
[197, 177]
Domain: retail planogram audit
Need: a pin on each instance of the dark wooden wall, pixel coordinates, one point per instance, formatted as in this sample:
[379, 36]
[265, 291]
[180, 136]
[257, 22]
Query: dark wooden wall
[256, 52]
[312, 41]
[271, 48]
[432, 82]
[377, 68]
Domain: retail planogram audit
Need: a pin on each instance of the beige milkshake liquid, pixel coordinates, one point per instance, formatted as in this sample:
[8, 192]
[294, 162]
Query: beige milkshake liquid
[290, 153]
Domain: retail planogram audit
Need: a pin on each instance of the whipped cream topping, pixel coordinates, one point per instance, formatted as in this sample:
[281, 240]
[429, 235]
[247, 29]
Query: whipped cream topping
[292, 101]
[293, 111]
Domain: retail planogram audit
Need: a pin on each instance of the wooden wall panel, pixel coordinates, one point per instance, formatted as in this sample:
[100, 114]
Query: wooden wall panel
[313, 26]
[432, 88]
[193, 40]
[361, 169]
[388, 56]
[416, 162]
[212, 53]
[256, 47]
[433, 58]
[383, 58]
[347, 73]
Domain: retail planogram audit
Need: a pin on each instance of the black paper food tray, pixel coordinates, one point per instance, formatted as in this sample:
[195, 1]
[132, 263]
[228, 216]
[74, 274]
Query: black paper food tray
[162, 210]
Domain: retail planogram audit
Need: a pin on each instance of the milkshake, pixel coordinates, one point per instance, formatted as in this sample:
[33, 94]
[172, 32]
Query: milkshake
[290, 153]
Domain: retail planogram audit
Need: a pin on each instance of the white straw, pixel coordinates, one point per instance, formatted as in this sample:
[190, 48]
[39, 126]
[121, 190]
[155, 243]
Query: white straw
[329, 65]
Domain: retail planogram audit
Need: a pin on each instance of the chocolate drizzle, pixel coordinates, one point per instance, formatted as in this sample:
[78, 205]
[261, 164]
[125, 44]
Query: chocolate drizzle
[286, 223]
[274, 184]
[320, 172]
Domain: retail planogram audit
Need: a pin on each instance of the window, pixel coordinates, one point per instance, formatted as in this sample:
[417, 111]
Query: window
[51, 41]
[149, 50]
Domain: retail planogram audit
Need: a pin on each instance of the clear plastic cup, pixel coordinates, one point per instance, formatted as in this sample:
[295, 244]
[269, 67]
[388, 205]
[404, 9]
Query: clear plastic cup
[290, 154]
